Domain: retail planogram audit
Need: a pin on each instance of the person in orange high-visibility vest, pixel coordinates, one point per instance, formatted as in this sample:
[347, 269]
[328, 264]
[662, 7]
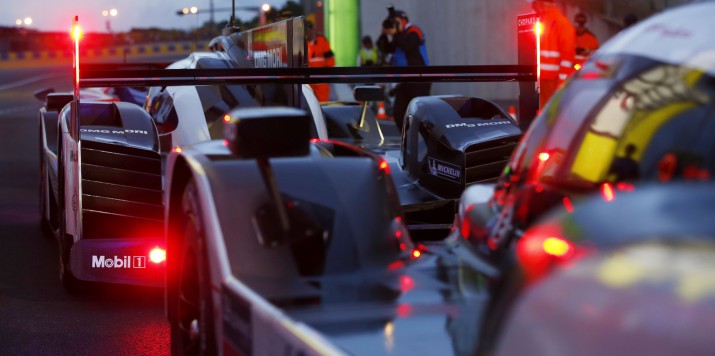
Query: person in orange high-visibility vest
[586, 41]
[319, 55]
[558, 48]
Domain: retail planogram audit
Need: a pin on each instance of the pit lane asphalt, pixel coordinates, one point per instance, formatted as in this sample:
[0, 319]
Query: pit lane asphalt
[37, 317]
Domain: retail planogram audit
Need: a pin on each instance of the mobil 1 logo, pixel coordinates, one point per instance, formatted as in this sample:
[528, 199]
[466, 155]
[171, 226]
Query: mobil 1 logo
[444, 170]
[118, 262]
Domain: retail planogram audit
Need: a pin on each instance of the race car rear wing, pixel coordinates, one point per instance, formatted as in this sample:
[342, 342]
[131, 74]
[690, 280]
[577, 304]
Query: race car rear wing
[283, 45]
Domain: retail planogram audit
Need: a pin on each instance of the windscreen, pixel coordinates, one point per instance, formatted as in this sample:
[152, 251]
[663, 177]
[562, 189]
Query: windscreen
[656, 124]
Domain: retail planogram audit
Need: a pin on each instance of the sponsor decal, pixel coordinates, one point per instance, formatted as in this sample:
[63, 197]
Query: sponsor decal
[118, 262]
[116, 132]
[479, 124]
[444, 170]
[272, 58]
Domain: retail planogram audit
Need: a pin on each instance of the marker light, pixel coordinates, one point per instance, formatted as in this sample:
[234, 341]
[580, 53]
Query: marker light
[177, 149]
[406, 283]
[608, 192]
[226, 118]
[157, 255]
[568, 205]
[384, 166]
[538, 28]
[544, 156]
[577, 66]
[416, 253]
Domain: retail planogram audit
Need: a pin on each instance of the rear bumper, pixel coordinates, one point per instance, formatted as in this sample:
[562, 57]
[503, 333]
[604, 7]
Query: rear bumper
[123, 261]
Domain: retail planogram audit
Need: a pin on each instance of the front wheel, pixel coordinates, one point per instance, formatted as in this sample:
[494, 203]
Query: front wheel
[192, 331]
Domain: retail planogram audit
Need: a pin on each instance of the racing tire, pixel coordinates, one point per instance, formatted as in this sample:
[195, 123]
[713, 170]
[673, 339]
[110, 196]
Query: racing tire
[192, 331]
[64, 241]
[45, 224]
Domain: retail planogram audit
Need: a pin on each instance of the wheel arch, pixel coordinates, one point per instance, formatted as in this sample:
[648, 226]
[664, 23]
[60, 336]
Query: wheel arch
[180, 175]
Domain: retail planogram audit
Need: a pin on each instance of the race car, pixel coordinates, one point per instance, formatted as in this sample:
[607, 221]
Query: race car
[101, 187]
[107, 207]
[450, 141]
[640, 110]
[630, 276]
[282, 244]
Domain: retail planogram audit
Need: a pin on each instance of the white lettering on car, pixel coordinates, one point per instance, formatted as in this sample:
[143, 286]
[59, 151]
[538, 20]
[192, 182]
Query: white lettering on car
[118, 262]
[444, 170]
[479, 124]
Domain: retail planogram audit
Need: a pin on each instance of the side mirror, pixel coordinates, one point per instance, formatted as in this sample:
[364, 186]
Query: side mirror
[41, 94]
[261, 133]
[368, 93]
[56, 101]
[474, 212]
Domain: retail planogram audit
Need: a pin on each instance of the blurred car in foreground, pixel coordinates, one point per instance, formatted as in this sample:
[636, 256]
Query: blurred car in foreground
[272, 251]
[640, 110]
[632, 276]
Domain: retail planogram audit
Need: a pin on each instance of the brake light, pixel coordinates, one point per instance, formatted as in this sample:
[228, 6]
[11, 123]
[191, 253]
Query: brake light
[544, 156]
[157, 255]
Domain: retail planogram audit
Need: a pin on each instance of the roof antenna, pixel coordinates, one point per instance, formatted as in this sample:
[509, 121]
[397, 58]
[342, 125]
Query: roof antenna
[231, 26]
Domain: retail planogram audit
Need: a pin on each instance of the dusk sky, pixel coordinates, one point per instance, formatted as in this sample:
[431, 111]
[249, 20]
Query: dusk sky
[56, 15]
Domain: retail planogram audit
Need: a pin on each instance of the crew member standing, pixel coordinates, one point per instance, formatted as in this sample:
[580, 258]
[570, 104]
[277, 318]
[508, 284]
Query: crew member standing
[319, 55]
[558, 46]
[409, 49]
[586, 41]
[367, 55]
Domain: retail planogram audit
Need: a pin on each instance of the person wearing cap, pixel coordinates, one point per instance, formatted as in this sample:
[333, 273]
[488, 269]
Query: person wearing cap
[558, 48]
[367, 55]
[319, 55]
[408, 49]
[586, 41]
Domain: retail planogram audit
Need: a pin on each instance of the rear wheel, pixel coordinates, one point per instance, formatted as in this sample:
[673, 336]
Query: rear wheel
[44, 193]
[192, 330]
[65, 241]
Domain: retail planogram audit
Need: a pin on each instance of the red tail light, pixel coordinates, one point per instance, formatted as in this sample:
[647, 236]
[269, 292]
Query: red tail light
[542, 248]
[157, 255]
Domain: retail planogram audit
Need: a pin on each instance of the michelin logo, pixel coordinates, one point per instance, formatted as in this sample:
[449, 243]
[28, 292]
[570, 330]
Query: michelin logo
[444, 170]
[480, 124]
[118, 262]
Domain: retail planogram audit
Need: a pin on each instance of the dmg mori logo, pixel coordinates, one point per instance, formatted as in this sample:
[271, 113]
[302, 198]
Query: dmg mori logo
[118, 262]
